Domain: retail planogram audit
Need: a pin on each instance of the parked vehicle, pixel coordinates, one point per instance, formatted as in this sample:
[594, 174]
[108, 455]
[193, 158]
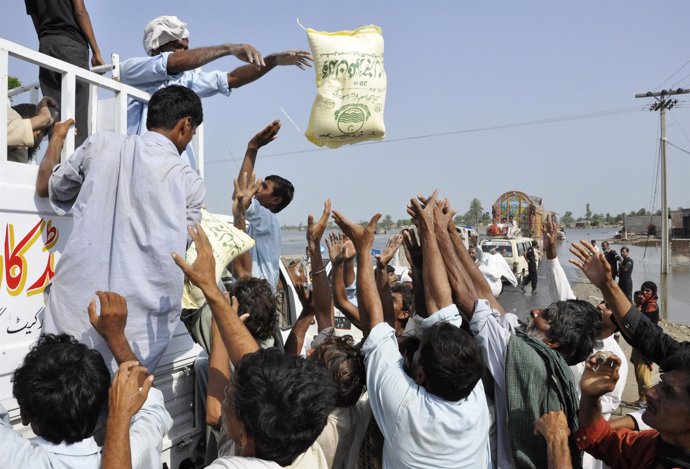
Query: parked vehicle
[512, 249]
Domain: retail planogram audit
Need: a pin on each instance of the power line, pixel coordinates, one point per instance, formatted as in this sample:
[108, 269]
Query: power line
[672, 75]
[680, 127]
[679, 148]
[610, 112]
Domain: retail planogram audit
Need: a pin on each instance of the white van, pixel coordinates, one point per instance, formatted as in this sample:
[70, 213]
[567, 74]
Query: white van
[513, 250]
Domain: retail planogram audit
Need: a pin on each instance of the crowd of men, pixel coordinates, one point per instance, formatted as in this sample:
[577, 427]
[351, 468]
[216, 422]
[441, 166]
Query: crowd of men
[443, 378]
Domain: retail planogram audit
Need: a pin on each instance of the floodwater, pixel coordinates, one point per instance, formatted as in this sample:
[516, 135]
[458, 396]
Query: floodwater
[674, 289]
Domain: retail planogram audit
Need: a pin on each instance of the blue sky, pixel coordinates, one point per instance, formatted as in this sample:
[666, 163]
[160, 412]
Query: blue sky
[452, 66]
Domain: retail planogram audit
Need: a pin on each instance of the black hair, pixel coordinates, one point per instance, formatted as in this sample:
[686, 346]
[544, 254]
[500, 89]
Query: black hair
[342, 358]
[451, 360]
[575, 325]
[61, 388]
[535, 243]
[650, 285]
[283, 401]
[172, 103]
[256, 297]
[407, 293]
[283, 188]
[679, 361]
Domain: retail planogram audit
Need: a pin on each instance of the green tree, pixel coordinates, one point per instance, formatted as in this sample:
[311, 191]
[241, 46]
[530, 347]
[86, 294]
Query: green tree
[486, 218]
[588, 213]
[567, 219]
[459, 220]
[13, 82]
[387, 223]
[474, 214]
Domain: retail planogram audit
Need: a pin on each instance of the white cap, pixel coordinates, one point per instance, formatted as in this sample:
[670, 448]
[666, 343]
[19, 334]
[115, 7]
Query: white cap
[163, 30]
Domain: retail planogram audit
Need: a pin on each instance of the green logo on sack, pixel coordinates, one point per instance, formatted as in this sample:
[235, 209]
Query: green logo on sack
[351, 117]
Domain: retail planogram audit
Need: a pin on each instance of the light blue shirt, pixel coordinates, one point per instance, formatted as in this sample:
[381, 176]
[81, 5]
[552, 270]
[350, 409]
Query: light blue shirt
[146, 432]
[132, 199]
[150, 74]
[422, 430]
[265, 230]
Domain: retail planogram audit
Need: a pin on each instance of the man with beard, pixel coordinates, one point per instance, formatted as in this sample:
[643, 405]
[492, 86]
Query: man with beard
[529, 364]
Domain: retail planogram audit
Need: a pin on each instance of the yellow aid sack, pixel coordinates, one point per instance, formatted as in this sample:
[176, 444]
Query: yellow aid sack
[351, 87]
[227, 243]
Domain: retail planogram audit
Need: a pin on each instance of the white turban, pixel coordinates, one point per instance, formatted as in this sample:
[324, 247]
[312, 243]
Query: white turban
[163, 30]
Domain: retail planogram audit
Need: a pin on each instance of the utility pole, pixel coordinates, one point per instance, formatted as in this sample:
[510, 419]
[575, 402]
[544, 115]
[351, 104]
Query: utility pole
[661, 104]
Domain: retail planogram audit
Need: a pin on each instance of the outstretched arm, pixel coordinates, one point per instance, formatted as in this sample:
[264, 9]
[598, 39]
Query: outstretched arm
[339, 252]
[249, 73]
[437, 291]
[600, 377]
[413, 252]
[185, 60]
[367, 295]
[245, 189]
[559, 287]
[127, 395]
[262, 138]
[553, 426]
[295, 341]
[81, 15]
[462, 288]
[382, 282]
[218, 377]
[237, 338]
[52, 156]
[323, 302]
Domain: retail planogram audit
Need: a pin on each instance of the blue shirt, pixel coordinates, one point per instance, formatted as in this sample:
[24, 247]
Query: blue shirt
[131, 199]
[422, 430]
[146, 432]
[265, 230]
[150, 74]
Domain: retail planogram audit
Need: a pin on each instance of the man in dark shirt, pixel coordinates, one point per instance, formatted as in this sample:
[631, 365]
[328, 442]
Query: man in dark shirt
[611, 258]
[65, 32]
[625, 270]
[531, 257]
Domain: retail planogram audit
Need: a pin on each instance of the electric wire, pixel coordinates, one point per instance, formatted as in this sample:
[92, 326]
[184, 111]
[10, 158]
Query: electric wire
[672, 75]
[571, 117]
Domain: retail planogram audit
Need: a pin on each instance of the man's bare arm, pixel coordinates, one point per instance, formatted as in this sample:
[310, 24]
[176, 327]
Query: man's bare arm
[340, 251]
[382, 281]
[237, 338]
[323, 302]
[248, 73]
[295, 341]
[218, 377]
[553, 426]
[437, 291]
[481, 286]
[245, 187]
[461, 285]
[81, 15]
[185, 60]
[262, 138]
[52, 156]
[413, 252]
[367, 294]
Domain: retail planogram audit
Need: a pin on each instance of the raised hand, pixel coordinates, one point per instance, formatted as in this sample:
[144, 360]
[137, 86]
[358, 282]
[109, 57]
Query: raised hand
[444, 215]
[247, 53]
[593, 264]
[202, 272]
[389, 251]
[110, 324]
[265, 136]
[300, 58]
[245, 189]
[413, 250]
[362, 237]
[600, 375]
[305, 297]
[315, 230]
[126, 396]
[550, 237]
[421, 209]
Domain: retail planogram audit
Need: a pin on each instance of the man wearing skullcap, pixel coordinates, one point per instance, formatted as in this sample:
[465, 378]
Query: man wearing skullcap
[171, 62]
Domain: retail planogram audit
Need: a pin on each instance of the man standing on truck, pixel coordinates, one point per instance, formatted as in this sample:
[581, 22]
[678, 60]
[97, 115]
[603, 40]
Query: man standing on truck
[132, 199]
[171, 62]
[65, 32]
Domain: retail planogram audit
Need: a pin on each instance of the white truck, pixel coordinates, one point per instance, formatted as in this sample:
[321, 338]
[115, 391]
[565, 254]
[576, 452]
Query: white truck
[32, 237]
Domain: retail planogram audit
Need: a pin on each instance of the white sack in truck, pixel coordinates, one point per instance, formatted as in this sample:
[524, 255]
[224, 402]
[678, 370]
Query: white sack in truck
[227, 243]
[351, 86]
